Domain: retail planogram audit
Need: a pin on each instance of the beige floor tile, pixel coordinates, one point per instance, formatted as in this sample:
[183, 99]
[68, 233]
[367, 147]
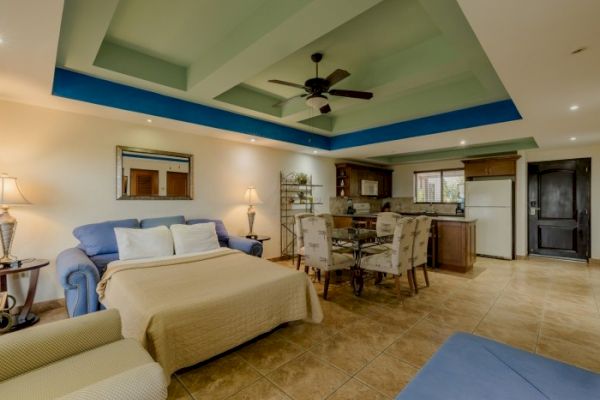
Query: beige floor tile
[375, 334]
[456, 319]
[337, 317]
[260, 390]
[219, 379]
[349, 353]
[388, 374]
[177, 391]
[307, 377]
[355, 390]
[587, 357]
[521, 335]
[305, 334]
[269, 353]
[418, 344]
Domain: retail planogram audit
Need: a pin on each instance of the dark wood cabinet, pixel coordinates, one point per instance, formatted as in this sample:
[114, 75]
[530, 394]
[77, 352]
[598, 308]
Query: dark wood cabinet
[349, 177]
[494, 166]
[454, 245]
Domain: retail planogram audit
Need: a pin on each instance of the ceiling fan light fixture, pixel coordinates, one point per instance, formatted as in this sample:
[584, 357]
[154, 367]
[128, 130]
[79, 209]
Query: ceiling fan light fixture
[316, 101]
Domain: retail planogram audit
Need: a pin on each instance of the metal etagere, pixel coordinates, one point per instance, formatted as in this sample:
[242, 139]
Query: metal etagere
[297, 196]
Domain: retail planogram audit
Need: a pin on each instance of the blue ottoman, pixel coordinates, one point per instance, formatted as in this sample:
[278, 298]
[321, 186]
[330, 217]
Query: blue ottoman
[469, 367]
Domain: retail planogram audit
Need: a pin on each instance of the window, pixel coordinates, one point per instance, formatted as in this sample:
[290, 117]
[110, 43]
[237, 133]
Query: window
[444, 186]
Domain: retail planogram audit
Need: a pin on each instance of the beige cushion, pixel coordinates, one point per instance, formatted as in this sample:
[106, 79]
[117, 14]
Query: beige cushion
[32, 348]
[341, 260]
[77, 372]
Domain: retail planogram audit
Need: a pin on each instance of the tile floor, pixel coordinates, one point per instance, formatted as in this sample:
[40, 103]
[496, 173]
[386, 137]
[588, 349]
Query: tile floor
[371, 347]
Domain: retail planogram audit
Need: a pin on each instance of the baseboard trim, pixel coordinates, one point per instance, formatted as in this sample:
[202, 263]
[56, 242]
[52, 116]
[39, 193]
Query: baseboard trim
[522, 257]
[594, 261]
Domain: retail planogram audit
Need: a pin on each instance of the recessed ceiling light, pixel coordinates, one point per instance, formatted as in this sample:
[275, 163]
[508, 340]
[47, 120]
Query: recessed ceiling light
[149, 120]
[572, 138]
[574, 107]
[463, 142]
[315, 151]
[253, 140]
[1, 40]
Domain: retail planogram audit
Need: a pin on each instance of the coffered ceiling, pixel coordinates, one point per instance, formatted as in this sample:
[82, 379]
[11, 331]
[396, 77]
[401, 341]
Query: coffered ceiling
[420, 58]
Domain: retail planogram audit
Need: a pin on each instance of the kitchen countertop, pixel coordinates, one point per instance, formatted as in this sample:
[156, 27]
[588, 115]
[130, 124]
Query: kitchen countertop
[438, 217]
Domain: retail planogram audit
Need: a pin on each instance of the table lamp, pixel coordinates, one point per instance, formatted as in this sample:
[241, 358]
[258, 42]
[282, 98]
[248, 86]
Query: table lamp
[252, 199]
[10, 194]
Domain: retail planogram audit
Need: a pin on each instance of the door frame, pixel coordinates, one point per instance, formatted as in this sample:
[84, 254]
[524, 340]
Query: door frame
[589, 208]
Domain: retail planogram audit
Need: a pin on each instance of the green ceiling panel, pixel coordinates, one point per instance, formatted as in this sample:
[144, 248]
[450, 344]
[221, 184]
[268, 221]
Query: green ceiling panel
[456, 153]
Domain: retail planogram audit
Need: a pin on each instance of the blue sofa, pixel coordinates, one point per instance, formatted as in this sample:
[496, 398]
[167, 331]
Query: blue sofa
[469, 367]
[80, 268]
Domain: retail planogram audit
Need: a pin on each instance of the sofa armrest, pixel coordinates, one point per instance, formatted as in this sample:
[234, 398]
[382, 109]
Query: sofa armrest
[248, 246]
[38, 346]
[79, 276]
[146, 382]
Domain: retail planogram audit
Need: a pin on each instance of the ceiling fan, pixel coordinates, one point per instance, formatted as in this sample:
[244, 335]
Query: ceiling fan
[316, 88]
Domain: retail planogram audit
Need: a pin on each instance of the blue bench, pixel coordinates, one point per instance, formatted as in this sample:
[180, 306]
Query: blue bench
[469, 367]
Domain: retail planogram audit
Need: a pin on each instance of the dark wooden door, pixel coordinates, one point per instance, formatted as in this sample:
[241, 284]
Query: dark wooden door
[559, 208]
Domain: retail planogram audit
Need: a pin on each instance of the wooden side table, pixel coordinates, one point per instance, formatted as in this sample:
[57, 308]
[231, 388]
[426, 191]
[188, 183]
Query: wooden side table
[25, 317]
[259, 238]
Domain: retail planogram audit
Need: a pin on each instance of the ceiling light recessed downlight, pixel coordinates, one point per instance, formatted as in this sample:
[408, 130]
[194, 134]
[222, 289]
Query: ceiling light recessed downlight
[572, 138]
[1, 40]
[148, 120]
[316, 101]
[463, 142]
[315, 152]
[252, 140]
[574, 107]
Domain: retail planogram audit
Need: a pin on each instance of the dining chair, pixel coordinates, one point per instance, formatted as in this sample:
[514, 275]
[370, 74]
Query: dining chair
[318, 249]
[299, 238]
[397, 259]
[419, 257]
[384, 226]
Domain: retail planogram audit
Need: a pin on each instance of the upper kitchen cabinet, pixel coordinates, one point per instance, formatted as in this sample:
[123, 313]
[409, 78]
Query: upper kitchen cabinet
[494, 166]
[355, 180]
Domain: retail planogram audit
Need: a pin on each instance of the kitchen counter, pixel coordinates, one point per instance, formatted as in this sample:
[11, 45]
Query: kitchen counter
[438, 217]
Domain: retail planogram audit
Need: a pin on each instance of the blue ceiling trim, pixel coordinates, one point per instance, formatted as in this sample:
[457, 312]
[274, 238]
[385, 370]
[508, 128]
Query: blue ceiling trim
[74, 85]
[77, 86]
[492, 113]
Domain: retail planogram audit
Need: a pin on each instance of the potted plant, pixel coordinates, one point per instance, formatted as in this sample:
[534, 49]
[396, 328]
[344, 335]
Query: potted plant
[301, 178]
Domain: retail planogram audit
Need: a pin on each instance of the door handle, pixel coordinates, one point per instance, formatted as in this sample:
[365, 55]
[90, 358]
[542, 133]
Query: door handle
[533, 210]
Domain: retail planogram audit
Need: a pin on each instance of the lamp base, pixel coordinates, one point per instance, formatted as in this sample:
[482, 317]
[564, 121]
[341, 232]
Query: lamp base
[8, 226]
[251, 215]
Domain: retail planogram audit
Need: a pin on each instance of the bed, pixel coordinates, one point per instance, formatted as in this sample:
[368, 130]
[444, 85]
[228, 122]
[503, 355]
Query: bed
[186, 309]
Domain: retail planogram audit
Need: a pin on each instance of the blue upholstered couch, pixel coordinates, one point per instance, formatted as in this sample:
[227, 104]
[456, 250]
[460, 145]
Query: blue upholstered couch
[80, 268]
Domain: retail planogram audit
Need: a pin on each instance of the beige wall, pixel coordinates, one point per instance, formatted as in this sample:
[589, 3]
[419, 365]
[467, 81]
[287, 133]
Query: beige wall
[403, 181]
[66, 167]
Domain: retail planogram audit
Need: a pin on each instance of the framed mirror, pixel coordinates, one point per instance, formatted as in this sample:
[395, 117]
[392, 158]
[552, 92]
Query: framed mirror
[144, 174]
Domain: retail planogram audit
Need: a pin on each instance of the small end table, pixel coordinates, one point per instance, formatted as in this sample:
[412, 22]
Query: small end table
[25, 317]
[259, 238]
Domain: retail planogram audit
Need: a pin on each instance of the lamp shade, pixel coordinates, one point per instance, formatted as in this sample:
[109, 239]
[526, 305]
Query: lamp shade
[10, 194]
[251, 196]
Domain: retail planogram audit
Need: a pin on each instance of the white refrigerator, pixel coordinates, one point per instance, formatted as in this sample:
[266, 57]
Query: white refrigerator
[491, 202]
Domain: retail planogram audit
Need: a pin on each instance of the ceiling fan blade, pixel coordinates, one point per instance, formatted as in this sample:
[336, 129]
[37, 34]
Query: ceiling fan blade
[325, 109]
[351, 93]
[296, 85]
[284, 101]
[336, 76]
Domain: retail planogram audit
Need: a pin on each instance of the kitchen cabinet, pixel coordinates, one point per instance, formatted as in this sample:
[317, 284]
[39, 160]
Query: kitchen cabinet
[494, 166]
[453, 244]
[349, 177]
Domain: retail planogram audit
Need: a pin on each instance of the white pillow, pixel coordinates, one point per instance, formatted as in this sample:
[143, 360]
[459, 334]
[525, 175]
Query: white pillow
[144, 243]
[194, 238]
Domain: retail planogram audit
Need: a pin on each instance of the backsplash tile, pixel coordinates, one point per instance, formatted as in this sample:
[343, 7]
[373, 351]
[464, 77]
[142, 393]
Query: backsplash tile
[339, 205]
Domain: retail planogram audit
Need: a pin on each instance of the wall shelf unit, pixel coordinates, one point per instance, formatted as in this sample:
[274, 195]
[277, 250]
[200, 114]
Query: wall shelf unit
[295, 198]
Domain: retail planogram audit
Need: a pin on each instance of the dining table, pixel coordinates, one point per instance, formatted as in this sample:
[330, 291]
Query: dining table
[355, 240]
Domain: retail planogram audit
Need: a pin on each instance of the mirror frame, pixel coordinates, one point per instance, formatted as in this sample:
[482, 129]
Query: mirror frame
[121, 196]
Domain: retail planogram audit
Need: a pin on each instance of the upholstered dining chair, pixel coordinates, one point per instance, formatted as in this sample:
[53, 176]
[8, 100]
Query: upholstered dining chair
[384, 226]
[397, 259]
[299, 237]
[419, 258]
[318, 249]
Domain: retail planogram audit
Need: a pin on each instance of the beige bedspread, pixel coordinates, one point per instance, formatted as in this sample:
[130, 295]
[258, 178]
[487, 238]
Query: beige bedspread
[187, 309]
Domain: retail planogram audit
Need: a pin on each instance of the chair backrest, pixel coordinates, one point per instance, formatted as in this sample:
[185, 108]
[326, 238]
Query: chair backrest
[298, 229]
[328, 218]
[317, 242]
[421, 240]
[402, 244]
[386, 223]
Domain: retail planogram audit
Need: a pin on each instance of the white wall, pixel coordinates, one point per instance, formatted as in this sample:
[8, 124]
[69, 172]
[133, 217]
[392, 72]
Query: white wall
[65, 164]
